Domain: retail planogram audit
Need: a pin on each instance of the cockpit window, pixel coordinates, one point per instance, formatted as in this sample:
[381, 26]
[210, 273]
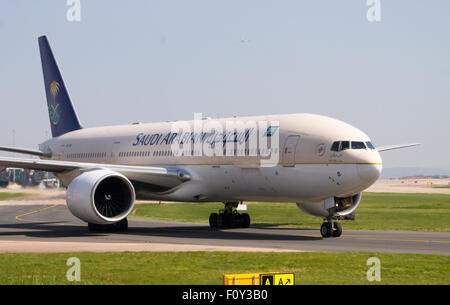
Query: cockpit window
[345, 145]
[358, 145]
[335, 146]
[370, 145]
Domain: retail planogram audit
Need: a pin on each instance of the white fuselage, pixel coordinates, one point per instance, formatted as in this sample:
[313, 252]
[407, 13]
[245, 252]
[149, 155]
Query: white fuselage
[307, 169]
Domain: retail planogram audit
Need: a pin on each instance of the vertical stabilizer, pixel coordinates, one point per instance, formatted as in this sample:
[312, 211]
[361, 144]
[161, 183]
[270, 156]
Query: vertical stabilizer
[63, 118]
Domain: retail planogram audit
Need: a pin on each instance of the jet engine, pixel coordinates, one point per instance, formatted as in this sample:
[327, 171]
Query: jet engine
[337, 205]
[100, 197]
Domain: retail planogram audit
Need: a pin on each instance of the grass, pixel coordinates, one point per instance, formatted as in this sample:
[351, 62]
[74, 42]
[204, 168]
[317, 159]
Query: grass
[6, 196]
[201, 268]
[377, 211]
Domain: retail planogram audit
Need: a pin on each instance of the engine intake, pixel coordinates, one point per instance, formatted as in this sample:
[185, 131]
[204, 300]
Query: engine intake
[101, 197]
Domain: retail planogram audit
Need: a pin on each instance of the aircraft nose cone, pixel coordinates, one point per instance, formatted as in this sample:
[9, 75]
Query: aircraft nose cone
[369, 173]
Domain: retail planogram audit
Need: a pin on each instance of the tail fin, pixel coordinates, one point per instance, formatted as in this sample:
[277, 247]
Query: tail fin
[63, 118]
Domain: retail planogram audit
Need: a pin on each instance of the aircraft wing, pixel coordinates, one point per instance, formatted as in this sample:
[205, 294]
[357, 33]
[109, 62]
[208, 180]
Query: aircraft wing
[385, 148]
[162, 177]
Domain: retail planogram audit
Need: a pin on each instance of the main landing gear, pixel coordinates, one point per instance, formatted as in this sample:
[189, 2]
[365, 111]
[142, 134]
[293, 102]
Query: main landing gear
[121, 226]
[331, 229]
[229, 218]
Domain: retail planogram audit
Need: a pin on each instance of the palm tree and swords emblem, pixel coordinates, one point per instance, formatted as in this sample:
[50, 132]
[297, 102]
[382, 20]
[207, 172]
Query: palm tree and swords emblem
[53, 107]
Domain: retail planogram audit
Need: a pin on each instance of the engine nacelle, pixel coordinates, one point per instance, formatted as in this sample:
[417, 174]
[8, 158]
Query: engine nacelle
[339, 206]
[100, 197]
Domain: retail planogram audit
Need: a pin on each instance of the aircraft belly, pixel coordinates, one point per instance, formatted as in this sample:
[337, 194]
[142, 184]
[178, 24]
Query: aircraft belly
[280, 184]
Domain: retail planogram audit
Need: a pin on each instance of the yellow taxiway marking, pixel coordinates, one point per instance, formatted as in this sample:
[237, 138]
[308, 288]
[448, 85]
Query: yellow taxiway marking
[19, 217]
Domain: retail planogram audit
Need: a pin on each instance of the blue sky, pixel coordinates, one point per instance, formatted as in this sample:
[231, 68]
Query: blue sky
[151, 61]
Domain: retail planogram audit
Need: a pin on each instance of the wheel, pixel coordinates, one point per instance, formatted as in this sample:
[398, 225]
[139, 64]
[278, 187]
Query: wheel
[245, 220]
[93, 227]
[121, 226]
[337, 229]
[227, 220]
[213, 220]
[326, 230]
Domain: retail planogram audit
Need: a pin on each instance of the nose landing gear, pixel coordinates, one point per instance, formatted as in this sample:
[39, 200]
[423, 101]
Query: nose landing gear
[229, 218]
[331, 228]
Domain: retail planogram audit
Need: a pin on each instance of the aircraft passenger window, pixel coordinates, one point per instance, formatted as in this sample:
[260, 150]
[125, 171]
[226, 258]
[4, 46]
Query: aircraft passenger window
[358, 145]
[335, 146]
[345, 145]
[370, 145]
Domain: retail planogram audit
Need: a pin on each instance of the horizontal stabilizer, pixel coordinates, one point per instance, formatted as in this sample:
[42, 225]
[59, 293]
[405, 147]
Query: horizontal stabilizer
[385, 148]
[26, 151]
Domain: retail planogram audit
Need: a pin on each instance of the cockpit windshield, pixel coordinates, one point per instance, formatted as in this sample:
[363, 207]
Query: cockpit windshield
[370, 145]
[343, 145]
[358, 145]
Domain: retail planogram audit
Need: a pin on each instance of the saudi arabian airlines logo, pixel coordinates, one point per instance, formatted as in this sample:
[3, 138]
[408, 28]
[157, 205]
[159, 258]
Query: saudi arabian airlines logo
[53, 107]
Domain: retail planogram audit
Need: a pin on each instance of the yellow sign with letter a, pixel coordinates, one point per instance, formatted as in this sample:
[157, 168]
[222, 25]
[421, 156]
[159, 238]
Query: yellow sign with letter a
[277, 279]
[265, 279]
[243, 279]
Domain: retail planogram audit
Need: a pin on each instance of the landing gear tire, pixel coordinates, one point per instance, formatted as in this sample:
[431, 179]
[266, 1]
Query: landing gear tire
[121, 226]
[92, 227]
[326, 230]
[337, 229]
[213, 220]
[245, 220]
[229, 218]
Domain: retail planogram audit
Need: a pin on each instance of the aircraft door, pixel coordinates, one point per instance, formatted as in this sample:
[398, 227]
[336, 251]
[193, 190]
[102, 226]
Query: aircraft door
[290, 148]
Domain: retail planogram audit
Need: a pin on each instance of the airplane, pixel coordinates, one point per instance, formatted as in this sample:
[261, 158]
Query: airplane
[321, 164]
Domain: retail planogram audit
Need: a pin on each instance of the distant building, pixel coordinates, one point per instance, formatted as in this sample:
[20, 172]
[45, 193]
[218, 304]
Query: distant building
[24, 177]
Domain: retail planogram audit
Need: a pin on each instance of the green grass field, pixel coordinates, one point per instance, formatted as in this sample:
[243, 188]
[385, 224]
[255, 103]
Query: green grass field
[6, 196]
[377, 211]
[207, 267]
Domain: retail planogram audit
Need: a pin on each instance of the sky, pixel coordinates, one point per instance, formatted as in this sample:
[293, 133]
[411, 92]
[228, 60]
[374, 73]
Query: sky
[152, 61]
